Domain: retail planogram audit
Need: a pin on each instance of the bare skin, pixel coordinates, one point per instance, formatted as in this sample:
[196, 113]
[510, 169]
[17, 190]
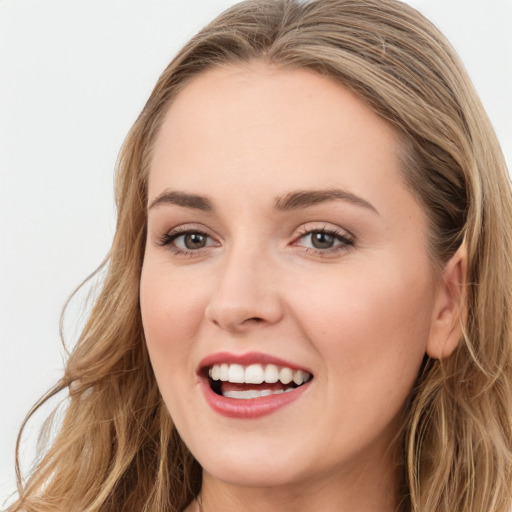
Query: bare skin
[342, 286]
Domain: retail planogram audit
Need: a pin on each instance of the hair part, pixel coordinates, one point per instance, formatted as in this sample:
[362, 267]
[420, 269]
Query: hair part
[117, 448]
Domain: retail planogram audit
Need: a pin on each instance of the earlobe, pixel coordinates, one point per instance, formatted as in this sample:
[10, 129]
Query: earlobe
[450, 308]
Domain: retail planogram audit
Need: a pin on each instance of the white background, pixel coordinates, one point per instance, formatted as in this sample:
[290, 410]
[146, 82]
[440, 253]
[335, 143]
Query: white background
[74, 74]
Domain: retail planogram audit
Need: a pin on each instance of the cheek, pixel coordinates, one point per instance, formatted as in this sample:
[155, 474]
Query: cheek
[370, 328]
[172, 312]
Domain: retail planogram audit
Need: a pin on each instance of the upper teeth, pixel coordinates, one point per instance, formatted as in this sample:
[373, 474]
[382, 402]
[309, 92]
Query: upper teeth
[257, 374]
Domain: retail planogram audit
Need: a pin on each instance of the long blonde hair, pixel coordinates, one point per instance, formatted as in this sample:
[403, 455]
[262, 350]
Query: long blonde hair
[117, 450]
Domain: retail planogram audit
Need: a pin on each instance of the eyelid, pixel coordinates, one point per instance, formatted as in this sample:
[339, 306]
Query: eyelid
[344, 237]
[166, 240]
[344, 240]
[310, 227]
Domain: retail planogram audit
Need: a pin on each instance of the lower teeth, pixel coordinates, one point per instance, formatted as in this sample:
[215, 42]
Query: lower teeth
[254, 393]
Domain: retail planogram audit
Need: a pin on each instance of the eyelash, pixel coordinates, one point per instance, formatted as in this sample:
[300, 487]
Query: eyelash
[168, 239]
[346, 241]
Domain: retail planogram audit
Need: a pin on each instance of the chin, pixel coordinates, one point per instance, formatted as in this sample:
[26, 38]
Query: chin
[260, 466]
[253, 475]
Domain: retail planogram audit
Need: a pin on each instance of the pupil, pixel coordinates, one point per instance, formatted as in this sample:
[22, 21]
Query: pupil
[322, 240]
[194, 241]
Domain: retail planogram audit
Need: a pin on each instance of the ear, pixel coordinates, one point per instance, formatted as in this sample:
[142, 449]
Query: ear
[449, 312]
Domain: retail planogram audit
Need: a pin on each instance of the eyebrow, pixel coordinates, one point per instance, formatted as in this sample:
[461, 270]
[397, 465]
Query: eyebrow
[305, 198]
[291, 201]
[182, 199]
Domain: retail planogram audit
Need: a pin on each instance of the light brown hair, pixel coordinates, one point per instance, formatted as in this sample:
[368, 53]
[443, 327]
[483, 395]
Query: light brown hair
[117, 449]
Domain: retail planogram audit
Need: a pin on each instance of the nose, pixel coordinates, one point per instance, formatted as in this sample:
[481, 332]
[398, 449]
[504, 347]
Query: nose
[245, 294]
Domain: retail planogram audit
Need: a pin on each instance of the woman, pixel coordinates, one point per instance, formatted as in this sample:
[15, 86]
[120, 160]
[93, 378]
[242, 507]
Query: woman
[307, 303]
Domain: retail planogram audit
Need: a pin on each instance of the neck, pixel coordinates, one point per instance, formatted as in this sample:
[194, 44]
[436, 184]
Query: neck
[365, 489]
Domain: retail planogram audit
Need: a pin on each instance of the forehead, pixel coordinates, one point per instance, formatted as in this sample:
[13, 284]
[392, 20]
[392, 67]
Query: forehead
[261, 127]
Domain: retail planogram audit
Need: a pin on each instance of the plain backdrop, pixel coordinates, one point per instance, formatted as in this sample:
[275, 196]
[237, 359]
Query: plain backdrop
[74, 74]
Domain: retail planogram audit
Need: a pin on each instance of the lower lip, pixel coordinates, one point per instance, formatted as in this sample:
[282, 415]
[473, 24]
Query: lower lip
[251, 407]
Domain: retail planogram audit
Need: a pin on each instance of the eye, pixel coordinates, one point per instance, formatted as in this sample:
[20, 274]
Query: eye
[187, 241]
[322, 240]
[325, 240]
[191, 241]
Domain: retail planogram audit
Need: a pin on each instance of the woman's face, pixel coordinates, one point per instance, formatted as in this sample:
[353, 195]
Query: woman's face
[282, 238]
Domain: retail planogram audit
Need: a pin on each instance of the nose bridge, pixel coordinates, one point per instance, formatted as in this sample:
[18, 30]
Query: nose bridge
[245, 291]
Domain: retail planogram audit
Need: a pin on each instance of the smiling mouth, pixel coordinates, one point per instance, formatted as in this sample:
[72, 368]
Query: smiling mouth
[254, 381]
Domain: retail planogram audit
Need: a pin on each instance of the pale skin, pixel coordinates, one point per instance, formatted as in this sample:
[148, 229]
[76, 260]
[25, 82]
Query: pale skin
[360, 310]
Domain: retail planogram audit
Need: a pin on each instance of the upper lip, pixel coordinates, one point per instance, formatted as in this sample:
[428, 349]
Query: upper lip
[246, 359]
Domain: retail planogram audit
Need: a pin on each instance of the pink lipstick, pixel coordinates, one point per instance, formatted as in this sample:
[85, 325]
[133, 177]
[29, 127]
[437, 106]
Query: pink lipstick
[250, 385]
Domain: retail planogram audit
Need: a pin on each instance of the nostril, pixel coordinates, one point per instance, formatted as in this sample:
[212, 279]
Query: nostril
[242, 312]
